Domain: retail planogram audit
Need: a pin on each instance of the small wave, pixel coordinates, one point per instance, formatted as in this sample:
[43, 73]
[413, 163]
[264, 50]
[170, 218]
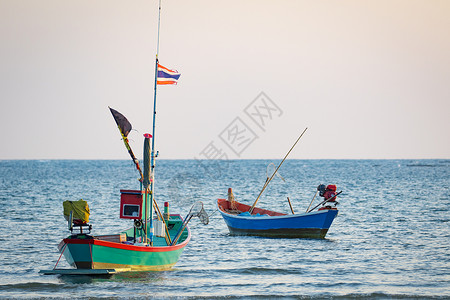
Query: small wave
[383, 296]
[264, 271]
[30, 286]
[422, 165]
[323, 296]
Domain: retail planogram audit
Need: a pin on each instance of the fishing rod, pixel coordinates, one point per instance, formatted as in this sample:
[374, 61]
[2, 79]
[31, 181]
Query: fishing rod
[324, 202]
[268, 181]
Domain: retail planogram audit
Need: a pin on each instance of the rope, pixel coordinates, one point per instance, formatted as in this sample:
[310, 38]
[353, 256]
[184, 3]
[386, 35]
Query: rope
[64, 248]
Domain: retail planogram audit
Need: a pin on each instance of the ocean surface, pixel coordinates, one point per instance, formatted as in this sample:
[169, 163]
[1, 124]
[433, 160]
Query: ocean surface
[391, 239]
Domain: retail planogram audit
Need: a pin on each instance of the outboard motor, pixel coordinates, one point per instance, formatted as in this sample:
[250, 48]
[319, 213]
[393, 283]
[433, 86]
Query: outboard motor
[328, 193]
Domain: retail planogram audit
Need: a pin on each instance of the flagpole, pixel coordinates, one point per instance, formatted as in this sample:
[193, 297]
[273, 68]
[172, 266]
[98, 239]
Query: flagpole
[156, 84]
[152, 162]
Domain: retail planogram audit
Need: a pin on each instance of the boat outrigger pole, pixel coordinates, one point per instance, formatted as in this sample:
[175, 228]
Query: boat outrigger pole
[329, 199]
[268, 181]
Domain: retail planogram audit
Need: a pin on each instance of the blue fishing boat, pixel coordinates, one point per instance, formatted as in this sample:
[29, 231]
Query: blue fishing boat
[267, 223]
[243, 219]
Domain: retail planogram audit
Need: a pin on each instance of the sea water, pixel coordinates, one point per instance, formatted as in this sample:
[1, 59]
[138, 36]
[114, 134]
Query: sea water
[391, 239]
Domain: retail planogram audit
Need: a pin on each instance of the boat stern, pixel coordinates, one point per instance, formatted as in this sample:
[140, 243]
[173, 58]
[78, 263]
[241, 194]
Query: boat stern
[77, 251]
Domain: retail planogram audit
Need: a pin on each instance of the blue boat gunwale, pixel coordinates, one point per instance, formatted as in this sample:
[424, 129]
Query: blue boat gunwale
[267, 217]
[276, 215]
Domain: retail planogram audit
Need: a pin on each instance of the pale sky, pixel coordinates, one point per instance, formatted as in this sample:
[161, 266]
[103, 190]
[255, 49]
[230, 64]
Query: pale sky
[370, 79]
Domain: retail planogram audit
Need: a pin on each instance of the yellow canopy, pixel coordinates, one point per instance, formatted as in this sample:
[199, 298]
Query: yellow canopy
[80, 210]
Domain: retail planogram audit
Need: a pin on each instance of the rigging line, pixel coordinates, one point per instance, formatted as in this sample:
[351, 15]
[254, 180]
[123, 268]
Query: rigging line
[213, 212]
[277, 173]
[62, 252]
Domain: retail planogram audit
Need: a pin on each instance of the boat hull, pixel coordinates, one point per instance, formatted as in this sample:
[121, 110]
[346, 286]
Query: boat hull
[277, 225]
[96, 254]
[89, 252]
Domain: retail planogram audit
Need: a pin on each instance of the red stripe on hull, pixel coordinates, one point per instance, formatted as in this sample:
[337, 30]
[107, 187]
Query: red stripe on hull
[125, 246]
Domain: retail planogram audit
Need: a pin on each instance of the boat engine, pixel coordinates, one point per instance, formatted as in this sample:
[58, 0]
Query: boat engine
[329, 194]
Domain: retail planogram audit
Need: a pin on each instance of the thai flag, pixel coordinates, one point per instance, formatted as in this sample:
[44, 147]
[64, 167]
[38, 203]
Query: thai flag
[167, 76]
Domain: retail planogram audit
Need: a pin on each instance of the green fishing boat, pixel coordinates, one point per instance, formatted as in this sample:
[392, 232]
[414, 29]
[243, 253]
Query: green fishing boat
[95, 252]
[155, 240]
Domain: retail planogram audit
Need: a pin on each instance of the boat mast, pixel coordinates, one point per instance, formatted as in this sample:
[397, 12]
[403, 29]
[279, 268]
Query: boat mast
[152, 162]
[156, 84]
